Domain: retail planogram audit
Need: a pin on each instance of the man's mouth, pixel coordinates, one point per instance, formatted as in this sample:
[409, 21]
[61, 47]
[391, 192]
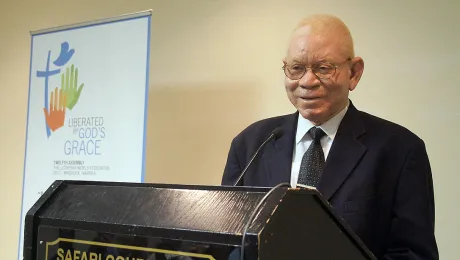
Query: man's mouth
[309, 97]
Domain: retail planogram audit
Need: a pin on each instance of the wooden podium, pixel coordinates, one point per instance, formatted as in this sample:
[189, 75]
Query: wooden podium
[85, 220]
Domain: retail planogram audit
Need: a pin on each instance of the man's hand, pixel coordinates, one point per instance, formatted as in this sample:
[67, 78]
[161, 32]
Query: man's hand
[56, 114]
[69, 83]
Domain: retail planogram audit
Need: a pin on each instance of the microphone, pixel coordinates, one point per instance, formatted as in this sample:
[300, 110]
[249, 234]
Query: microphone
[276, 133]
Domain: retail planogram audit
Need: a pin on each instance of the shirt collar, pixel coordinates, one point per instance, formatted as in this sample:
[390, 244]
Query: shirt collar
[330, 127]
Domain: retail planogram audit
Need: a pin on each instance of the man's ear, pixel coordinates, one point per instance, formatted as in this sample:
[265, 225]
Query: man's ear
[357, 69]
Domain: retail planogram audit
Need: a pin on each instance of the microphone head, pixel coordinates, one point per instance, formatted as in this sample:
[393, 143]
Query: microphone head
[278, 132]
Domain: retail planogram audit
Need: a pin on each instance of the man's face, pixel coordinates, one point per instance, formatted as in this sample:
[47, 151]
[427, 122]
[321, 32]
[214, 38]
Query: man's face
[315, 98]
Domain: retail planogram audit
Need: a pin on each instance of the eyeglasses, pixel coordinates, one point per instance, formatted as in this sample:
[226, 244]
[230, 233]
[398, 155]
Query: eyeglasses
[322, 70]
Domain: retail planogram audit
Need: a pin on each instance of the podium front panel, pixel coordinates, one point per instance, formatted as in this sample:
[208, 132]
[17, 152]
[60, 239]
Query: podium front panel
[70, 244]
[83, 220]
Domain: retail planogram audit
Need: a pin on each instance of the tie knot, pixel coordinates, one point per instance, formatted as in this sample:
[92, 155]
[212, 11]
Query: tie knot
[316, 133]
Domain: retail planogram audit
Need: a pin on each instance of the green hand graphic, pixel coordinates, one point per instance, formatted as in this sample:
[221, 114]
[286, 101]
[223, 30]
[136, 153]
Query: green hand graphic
[69, 83]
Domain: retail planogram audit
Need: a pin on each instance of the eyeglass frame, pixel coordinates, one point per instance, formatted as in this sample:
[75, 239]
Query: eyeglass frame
[336, 66]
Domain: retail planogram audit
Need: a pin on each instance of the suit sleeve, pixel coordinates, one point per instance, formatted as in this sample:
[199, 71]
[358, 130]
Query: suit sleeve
[413, 222]
[232, 167]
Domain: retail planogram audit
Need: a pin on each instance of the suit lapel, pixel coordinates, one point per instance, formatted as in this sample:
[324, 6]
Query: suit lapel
[277, 156]
[345, 153]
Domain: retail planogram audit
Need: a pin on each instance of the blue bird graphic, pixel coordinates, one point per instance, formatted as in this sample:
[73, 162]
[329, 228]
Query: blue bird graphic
[65, 55]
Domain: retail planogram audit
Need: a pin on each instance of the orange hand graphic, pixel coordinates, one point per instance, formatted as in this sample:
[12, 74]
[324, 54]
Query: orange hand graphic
[56, 115]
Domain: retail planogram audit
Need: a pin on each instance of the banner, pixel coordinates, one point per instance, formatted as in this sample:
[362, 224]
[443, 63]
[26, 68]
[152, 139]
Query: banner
[86, 117]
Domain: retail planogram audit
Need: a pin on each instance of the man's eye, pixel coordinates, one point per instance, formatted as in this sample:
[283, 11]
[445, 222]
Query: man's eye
[324, 69]
[296, 68]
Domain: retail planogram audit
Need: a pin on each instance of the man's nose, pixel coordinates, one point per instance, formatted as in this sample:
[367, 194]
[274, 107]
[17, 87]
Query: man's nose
[309, 80]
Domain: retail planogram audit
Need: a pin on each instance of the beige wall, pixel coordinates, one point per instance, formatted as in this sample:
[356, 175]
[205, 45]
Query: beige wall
[215, 67]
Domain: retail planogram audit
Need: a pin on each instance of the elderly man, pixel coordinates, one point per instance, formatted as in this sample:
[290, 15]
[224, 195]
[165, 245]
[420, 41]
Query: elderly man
[375, 174]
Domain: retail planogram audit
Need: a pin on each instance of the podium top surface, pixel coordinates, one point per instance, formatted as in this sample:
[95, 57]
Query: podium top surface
[153, 205]
[143, 208]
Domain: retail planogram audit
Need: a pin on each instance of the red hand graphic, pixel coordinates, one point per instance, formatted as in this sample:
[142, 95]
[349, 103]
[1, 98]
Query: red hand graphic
[56, 115]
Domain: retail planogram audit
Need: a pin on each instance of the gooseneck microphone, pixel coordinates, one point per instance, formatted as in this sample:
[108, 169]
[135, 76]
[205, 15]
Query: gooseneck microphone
[276, 133]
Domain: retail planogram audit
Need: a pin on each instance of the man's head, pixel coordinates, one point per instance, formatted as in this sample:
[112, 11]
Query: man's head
[321, 44]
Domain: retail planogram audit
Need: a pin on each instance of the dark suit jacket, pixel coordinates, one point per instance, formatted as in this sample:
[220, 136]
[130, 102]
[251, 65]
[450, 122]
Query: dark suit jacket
[377, 177]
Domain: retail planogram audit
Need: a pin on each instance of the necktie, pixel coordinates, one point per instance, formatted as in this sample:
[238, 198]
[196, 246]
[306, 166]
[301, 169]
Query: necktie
[312, 163]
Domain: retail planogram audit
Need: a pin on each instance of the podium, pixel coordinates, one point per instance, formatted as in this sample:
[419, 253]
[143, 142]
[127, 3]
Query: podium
[87, 220]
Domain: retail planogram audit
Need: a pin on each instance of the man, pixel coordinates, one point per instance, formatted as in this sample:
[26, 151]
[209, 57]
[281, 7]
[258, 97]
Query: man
[375, 174]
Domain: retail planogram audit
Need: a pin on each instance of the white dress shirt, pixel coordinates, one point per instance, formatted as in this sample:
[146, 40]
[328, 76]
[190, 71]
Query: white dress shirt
[303, 140]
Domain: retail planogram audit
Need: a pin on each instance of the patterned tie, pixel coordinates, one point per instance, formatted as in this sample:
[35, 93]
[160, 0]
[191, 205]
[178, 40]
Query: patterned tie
[312, 163]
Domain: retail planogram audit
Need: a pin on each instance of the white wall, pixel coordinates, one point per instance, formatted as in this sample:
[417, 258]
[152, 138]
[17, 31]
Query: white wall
[216, 67]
